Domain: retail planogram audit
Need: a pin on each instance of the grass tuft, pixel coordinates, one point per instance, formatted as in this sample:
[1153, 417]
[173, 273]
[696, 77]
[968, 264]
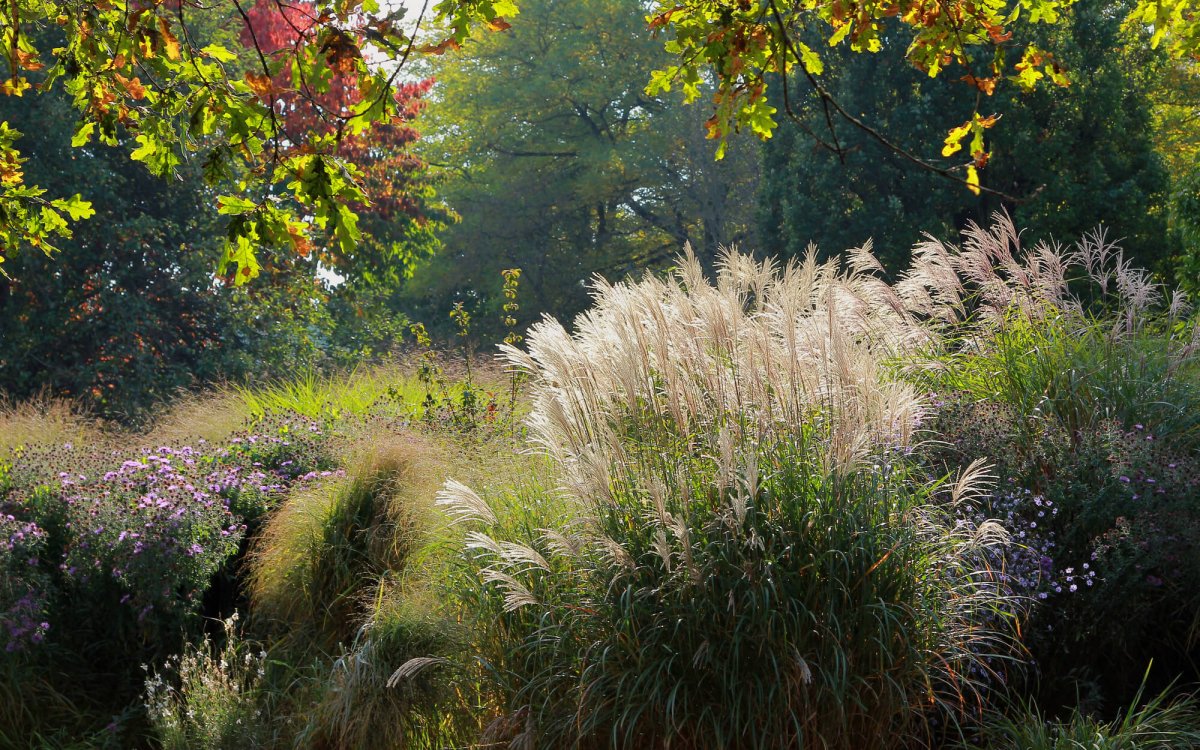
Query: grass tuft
[45, 422]
[1165, 722]
[322, 554]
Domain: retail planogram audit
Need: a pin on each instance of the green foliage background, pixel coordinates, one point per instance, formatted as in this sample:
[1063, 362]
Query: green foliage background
[1076, 157]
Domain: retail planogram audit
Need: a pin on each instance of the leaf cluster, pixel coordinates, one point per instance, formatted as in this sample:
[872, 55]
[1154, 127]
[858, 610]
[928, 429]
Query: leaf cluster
[156, 74]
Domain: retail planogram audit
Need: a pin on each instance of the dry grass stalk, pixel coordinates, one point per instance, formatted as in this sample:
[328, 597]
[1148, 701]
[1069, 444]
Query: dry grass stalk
[45, 421]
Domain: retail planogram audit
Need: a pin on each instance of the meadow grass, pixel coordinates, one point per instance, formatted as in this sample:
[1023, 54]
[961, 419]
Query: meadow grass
[328, 396]
[212, 416]
[1076, 371]
[363, 704]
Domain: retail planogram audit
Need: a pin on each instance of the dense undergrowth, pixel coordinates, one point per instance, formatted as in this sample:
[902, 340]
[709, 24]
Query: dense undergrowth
[785, 507]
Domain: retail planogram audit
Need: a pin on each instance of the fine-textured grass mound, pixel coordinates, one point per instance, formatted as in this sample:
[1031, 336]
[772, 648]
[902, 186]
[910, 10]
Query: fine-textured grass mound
[44, 422]
[1161, 723]
[322, 556]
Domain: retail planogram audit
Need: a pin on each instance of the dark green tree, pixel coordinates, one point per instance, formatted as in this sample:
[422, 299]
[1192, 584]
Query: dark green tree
[1073, 157]
[129, 310]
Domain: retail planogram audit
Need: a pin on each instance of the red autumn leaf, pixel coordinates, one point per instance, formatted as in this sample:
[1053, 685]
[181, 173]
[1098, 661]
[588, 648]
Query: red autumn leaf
[389, 174]
[664, 18]
[29, 60]
[341, 53]
[997, 33]
[300, 243]
[986, 85]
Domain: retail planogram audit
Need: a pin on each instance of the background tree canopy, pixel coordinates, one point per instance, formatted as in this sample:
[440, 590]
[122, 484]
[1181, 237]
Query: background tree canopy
[559, 163]
[146, 70]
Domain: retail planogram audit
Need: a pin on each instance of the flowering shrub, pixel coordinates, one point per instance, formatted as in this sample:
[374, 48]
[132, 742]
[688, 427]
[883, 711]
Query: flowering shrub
[260, 464]
[22, 603]
[1027, 565]
[1103, 521]
[143, 532]
[207, 698]
[156, 529]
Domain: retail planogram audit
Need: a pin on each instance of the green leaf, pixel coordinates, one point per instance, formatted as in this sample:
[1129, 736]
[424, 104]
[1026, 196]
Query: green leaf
[235, 206]
[219, 53]
[83, 135]
[811, 60]
[977, 142]
[53, 222]
[505, 8]
[954, 139]
[839, 35]
[149, 145]
[239, 251]
[346, 229]
[77, 208]
[759, 118]
[660, 81]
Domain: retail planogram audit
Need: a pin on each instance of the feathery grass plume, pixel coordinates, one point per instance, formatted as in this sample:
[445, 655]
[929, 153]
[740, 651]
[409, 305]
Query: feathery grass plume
[461, 502]
[756, 352]
[736, 455]
[991, 277]
[413, 667]
[1077, 335]
[327, 547]
[973, 482]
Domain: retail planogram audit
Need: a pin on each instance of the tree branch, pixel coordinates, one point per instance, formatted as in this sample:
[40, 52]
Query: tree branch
[883, 140]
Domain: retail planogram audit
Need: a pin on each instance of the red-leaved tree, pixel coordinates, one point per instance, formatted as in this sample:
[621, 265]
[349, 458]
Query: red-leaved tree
[399, 215]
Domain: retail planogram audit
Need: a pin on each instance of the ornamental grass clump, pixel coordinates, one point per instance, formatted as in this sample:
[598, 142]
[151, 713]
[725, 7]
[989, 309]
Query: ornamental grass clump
[45, 421]
[1167, 721]
[753, 561]
[1082, 337]
[366, 702]
[323, 553]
